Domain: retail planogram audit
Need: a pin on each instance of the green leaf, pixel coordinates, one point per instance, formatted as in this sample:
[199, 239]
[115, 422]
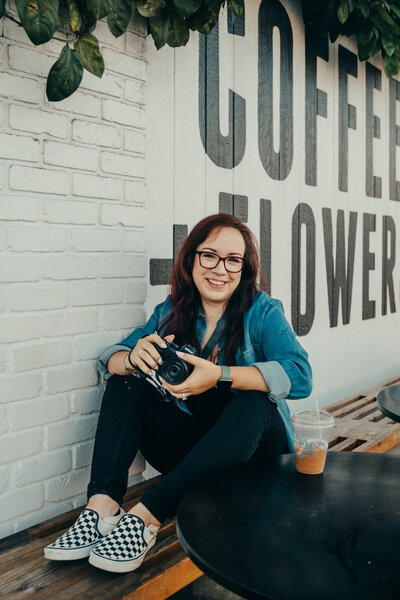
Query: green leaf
[39, 18]
[75, 18]
[363, 5]
[214, 4]
[343, 11]
[120, 16]
[388, 44]
[387, 19]
[204, 20]
[167, 28]
[186, 8]
[88, 48]
[178, 32]
[98, 8]
[89, 22]
[65, 75]
[396, 11]
[391, 65]
[369, 50]
[150, 8]
[159, 27]
[2, 7]
[351, 4]
[236, 6]
[364, 36]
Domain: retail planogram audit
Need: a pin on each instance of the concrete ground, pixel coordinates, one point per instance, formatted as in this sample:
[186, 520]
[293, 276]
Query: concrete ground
[206, 589]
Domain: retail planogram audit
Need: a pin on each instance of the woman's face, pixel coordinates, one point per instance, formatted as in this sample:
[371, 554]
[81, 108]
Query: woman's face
[224, 241]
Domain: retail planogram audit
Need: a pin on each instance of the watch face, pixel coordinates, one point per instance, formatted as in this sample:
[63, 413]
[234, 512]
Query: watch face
[224, 384]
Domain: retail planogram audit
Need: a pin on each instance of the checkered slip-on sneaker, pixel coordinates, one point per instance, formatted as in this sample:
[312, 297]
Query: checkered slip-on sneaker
[125, 547]
[87, 531]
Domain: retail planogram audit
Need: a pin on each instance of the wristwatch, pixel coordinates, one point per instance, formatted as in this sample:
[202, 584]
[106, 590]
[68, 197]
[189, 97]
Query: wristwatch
[225, 381]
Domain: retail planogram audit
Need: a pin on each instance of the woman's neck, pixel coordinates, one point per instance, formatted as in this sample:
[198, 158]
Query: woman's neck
[212, 312]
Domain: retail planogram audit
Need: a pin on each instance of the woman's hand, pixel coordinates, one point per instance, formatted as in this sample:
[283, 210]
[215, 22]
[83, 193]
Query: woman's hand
[204, 376]
[145, 356]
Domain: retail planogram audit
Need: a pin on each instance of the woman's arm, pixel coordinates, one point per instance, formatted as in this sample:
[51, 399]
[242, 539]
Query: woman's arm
[117, 364]
[286, 370]
[248, 378]
[106, 359]
[206, 375]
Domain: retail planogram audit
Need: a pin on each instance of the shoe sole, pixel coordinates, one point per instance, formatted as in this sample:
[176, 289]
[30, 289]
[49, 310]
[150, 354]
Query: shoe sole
[65, 554]
[115, 566]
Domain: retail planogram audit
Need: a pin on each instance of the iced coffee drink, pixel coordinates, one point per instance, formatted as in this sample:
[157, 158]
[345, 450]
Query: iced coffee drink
[312, 430]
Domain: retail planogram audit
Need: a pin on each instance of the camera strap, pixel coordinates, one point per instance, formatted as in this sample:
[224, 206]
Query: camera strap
[214, 339]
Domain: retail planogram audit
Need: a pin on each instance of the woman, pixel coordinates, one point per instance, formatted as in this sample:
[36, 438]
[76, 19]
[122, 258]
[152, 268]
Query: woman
[219, 416]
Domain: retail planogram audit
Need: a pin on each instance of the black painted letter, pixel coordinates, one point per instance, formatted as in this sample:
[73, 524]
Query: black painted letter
[303, 215]
[265, 240]
[394, 139]
[315, 101]
[276, 164]
[388, 262]
[339, 276]
[347, 113]
[368, 306]
[373, 78]
[225, 151]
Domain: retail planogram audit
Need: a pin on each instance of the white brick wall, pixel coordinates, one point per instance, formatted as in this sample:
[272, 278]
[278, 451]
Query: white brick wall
[73, 261]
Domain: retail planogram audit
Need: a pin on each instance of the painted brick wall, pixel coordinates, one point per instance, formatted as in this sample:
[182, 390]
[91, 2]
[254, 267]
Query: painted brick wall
[72, 261]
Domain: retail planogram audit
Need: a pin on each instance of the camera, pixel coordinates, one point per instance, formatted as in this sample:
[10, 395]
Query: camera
[174, 369]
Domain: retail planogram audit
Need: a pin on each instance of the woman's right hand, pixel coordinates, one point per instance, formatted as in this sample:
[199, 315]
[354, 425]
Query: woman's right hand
[145, 356]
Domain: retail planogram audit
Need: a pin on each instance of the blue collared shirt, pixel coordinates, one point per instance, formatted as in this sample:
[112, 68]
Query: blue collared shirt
[270, 344]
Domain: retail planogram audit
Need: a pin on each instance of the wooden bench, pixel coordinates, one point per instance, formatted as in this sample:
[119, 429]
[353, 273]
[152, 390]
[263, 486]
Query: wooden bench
[25, 573]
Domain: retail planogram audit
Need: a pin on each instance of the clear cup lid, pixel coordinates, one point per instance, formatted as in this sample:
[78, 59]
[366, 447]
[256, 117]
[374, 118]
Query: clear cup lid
[312, 418]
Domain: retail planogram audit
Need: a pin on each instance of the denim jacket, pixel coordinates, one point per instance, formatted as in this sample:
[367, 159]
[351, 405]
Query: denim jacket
[269, 344]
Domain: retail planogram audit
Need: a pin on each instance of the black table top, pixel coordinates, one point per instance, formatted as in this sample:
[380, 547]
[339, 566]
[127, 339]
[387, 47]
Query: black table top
[270, 532]
[389, 402]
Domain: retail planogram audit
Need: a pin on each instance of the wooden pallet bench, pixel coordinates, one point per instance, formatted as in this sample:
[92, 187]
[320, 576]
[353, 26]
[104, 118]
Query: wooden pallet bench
[360, 425]
[166, 570]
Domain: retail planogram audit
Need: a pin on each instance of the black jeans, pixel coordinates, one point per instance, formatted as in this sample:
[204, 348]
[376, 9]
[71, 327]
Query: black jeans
[226, 429]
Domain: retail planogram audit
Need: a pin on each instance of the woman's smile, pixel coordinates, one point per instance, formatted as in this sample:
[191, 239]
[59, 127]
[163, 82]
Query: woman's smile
[215, 283]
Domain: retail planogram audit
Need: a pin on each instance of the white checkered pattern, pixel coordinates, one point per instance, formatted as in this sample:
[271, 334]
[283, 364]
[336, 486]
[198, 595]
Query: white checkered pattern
[125, 542]
[83, 532]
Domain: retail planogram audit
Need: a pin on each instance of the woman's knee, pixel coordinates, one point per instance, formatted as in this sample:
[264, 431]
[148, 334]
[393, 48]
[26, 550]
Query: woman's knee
[254, 402]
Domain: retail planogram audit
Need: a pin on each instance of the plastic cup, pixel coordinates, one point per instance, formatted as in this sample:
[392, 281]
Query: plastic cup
[312, 431]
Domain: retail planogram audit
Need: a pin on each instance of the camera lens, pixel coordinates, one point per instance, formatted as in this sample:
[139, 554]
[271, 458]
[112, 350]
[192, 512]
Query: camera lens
[175, 371]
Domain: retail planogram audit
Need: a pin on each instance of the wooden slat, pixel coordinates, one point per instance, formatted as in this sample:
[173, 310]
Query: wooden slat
[167, 582]
[360, 426]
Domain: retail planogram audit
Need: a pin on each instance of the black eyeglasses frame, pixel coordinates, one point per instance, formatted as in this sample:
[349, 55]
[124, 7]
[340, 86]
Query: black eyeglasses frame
[200, 252]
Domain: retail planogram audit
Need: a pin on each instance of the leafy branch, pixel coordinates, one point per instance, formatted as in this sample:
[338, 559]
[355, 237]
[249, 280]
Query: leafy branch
[374, 23]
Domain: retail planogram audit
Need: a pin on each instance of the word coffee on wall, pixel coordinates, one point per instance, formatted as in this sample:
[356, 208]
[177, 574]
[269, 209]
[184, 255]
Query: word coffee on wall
[300, 139]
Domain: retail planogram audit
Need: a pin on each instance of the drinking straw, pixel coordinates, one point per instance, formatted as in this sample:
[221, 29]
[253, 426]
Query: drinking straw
[316, 403]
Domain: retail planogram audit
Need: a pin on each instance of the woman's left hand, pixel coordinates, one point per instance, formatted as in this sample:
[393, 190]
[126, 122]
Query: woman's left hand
[204, 376]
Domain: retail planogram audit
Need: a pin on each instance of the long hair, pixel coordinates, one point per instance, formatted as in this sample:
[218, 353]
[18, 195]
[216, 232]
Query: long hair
[185, 298]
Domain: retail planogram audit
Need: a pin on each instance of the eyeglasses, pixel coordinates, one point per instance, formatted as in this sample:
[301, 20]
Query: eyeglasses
[209, 260]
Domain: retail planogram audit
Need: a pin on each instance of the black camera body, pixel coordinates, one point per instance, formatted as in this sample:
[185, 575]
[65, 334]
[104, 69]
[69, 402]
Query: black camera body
[174, 369]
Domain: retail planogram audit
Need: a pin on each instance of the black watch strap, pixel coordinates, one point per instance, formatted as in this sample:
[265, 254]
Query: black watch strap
[225, 381]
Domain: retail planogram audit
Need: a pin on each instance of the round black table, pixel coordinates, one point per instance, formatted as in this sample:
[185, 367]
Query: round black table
[270, 532]
[389, 402]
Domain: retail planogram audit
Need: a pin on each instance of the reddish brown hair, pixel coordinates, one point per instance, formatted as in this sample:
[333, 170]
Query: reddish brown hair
[186, 301]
